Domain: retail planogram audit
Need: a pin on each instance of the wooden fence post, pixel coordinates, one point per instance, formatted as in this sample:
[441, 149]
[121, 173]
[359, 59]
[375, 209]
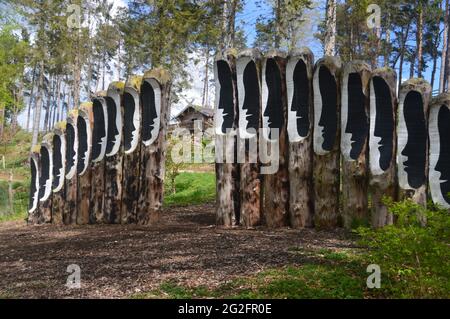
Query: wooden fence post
[412, 139]
[155, 99]
[248, 71]
[274, 140]
[439, 133]
[99, 143]
[299, 73]
[114, 156]
[59, 168]
[382, 144]
[33, 207]
[131, 163]
[71, 158]
[45, 180]
[84, 131]
[354, 143]
[326, 141]
[226, 122]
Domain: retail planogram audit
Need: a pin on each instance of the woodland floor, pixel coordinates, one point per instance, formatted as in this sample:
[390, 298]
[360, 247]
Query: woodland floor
[122, 261]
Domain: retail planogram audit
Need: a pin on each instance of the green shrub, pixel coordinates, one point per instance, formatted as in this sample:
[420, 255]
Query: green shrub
[414, 258]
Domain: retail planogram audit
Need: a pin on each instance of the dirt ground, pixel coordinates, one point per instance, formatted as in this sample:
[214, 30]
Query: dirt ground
[119, 261]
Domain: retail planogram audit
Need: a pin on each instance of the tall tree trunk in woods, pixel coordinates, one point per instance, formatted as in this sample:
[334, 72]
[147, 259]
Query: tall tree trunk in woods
[330, 33]
[30, 102]
[404, 38]
[278, 26]
[447, 69]
[38, 107]
[442, 77]
[2, 119]
[387, 49]
[58, 102]
[205, 94]
[10, 193]
[419, 39]
[433, 71]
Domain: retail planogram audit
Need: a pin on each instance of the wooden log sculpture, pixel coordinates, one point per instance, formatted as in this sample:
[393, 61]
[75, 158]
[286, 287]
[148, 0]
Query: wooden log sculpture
[299, 73]
[45, 180]
[226, 123]
[114, 156]
[382, 144]
[131, 163]
[439, 133]
[326, 142]
[248, 71]
[33, 207]
[354, 143]
[71, 158]
[99, 143]
[59, 169]
[155, 97]
[412, 139]
[274, 127]
[84, 131]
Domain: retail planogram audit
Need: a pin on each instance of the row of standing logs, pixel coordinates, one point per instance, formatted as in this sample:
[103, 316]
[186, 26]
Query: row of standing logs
[105, 164]
[344, 140]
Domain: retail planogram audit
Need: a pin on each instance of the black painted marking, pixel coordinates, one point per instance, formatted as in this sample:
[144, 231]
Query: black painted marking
[128, 125]
[34, 177]
[45, 171]
[82, 144]
[300, 100]
[357, 120]
[443, 164]
[328, 118]
[416, 146]
[384, 121]
[226, 101]
[57, 160]
[99, 129]
[70, 147]
[252, 96]
[274, 107]
[113, 130]
[149, 115]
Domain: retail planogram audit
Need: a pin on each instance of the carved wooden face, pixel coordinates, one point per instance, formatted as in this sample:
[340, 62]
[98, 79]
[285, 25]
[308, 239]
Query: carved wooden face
[298, 92]
[114, 127]
[71, 149]
[382, 126]
[224, 98]
[131, 120]
[34, 186]
[84, 144]
[59, 151]
[249, 97]
[412, 141]
[325, 110]
[439, 130]
[151, 111]
[355, 125]
[100, 129]
[45, 179]
[272, 102]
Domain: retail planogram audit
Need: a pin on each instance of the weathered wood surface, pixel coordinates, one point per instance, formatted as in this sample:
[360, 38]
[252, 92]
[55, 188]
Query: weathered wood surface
[299, 73]
[70, 207]
[382, 144]
[114, 157]
[412, 139]
[274, 117]
[326, 87]
[33, 207]
[439, 133]
[59, 168]
[84, 125]
[354, 143]
[155, 99]
[132, 148]
[248, 71]
[226, 122]
[45, 180]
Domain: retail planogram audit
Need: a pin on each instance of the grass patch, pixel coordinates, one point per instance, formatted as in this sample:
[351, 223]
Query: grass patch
[192, 189]
[20, 203]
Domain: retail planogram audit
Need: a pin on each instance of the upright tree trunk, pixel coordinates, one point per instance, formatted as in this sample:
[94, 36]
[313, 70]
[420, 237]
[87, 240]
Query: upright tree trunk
[37, 112]
[420, 40]
[330, 33]
[442, 77]
[205, 96]
[383, 144]
[326, 84]
[46, 169]
[299, 74]
[30, 102]
[354, 143]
